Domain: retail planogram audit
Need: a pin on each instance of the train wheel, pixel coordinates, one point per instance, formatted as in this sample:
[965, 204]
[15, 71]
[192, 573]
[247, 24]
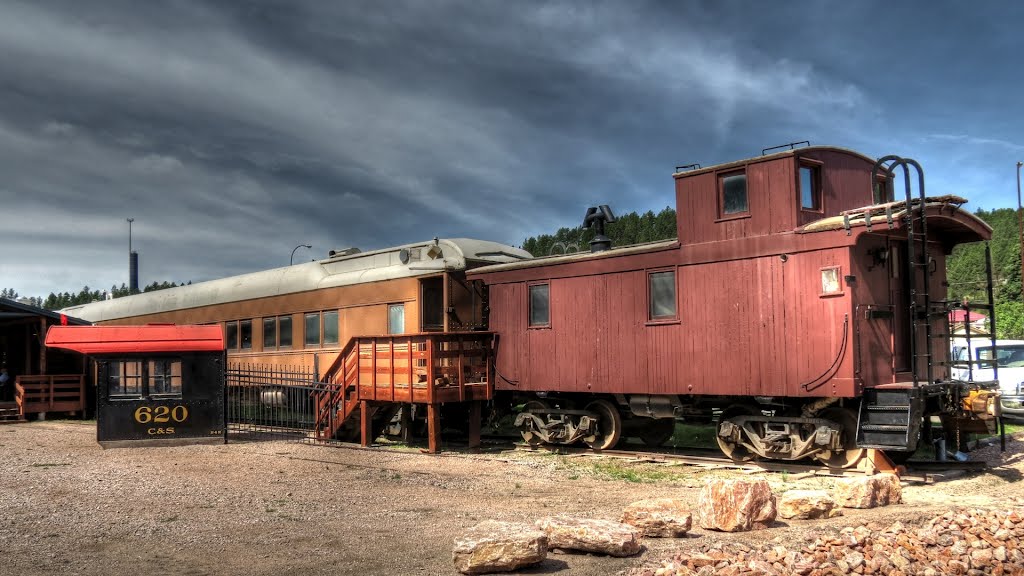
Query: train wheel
[609, 425]
[533, 406]
[737, 452]
[657, 431]
[850, 454]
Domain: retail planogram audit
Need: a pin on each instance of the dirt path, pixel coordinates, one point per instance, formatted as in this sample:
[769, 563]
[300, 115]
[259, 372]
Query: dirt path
[67, 506]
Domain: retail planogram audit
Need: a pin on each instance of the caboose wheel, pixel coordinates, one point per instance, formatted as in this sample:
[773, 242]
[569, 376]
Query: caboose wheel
[657, 431]
[533, 406]
[737, 452]
[609, 425]
[850, 454]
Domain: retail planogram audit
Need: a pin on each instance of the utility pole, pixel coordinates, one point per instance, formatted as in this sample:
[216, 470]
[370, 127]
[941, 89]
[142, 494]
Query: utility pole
[130, 220]
[1020, 226]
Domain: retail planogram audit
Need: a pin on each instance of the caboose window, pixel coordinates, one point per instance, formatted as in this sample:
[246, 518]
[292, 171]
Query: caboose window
[331, 327]
[733, 190]
[662, 295]
[312, 337]
[830, 281]
[810, 188]
[540, 305]
[284, 331]
[245, 333]
[165, 377]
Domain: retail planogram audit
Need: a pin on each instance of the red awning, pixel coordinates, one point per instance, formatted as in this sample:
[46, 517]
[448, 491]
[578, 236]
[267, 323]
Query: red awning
[128, 339]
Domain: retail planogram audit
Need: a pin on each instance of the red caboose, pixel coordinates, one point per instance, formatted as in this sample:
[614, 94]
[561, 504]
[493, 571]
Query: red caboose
[792, 307]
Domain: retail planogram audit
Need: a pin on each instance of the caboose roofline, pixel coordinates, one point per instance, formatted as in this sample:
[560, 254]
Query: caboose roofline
[767, 157]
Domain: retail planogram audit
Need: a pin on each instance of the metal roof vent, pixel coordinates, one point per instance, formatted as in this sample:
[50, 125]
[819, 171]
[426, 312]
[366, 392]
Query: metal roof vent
[596, 218]
[343, 252]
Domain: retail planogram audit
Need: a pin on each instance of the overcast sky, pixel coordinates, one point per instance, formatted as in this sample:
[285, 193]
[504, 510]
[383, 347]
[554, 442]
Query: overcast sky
[233, 131]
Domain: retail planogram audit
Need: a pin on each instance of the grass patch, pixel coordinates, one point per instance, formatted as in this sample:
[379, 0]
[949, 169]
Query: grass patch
[169, 519]
[615, 471]
[693, 436]
[48, 464]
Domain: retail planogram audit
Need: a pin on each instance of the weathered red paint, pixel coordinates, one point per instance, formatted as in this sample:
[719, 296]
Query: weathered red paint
[752, 317]
[148, 338]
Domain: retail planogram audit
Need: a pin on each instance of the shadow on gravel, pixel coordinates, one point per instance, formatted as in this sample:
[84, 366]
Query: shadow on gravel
[548, 566]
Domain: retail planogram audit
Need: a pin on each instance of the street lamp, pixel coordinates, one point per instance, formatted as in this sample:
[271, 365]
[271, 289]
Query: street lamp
[292, 259]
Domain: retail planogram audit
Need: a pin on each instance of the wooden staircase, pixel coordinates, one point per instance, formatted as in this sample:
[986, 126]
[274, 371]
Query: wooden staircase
[890, 418]
[374, 375]
[9, 413]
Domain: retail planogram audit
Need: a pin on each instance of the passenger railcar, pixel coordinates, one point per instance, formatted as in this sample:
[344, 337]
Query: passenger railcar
[801, 305]
[301, 316]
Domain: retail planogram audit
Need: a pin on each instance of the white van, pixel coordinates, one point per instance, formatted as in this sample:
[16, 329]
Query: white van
[1009, 356]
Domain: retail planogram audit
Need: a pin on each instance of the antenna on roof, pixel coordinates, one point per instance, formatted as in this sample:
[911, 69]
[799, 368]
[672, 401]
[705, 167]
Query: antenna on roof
[694, 166]
[791, 146]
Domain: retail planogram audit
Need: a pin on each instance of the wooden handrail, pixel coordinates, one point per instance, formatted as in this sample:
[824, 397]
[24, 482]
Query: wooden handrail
[49, 392]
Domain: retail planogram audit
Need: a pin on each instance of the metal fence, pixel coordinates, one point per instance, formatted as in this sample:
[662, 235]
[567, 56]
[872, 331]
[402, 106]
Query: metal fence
[271, 402]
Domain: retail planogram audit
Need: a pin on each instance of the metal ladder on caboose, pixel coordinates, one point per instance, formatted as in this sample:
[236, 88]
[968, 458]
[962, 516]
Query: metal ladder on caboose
[890, 416]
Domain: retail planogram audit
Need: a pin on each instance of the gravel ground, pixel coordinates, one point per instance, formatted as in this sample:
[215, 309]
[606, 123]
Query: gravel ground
[69, 507]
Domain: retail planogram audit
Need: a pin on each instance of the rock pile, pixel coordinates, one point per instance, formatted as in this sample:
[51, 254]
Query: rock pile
[961, 542]
[493, 546]
[807, 505]
[588, 535]
[868, 491]
[659, 517]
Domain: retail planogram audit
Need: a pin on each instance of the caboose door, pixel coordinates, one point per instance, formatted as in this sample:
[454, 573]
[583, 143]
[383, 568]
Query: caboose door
[899, 298]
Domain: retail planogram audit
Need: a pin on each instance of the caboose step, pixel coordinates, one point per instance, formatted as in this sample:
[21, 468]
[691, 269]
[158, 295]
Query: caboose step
[884, 428]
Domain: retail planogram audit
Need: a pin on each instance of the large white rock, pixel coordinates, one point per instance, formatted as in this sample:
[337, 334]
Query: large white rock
[493, 546]
[659, 517]
[868, 491]
[736, 505]
[587, 535]
[807, 505]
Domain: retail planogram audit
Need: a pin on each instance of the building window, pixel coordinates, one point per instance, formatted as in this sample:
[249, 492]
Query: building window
[662, 295]
[540, 305]
[284, 331]
[245, 333]
[733, 191]
[810, 188]
[231, 333]
[331, 327]
[396, 319]
[312, 337]
[165, 377]
[269, 333]
[124, 379]
[830, 281]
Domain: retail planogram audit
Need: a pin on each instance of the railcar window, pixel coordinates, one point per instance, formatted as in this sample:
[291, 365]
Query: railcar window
[245, 333]
[662, 294]
[165, 377]
[734, 193]
[312, 337]
[540, 305]
[830, 281]
[331, 327]
[810, 188]
[124, 379]
[284, 330]
[231, 333]
[396, 319]
[882, 192]
[269, 333]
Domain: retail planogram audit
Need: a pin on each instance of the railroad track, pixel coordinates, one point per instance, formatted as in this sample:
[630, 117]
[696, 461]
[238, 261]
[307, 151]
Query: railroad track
[915, 471]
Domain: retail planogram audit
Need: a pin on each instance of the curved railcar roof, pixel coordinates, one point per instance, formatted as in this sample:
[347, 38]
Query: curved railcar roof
[424, 258]
[764, 157]
[617, 251]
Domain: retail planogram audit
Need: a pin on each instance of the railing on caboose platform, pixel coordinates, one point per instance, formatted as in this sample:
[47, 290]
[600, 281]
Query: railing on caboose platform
[50, 393]
[428, 368]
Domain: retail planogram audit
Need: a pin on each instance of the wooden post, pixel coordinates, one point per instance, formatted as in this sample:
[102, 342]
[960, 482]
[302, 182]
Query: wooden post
[365, 423]
[434, 427]
[42, 348]
[474, 426]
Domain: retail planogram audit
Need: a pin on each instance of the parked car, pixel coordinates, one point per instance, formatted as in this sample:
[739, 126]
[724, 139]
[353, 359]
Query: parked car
[1009, 360]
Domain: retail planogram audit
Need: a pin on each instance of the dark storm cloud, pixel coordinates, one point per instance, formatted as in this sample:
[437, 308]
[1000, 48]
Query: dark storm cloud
[234, 131]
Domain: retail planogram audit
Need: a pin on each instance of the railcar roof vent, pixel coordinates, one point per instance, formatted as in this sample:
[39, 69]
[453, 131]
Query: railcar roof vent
[343, 252]
[597, 217]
